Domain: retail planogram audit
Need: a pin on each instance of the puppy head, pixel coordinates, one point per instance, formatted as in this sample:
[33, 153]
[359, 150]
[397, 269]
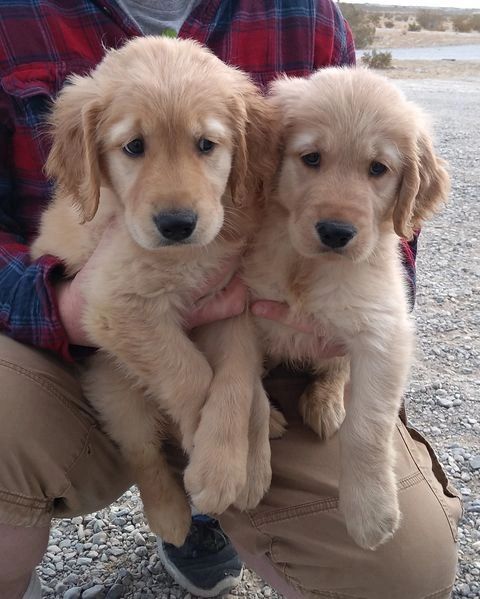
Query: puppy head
[357, 162]
[169, 129]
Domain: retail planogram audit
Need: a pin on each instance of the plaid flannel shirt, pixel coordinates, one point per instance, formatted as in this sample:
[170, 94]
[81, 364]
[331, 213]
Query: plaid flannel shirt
[43, 41]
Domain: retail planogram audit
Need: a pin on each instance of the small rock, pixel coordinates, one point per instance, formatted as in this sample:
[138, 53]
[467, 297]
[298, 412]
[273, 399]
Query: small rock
[475, 463]
[99, 538]
[139, 539]
[444, 402]
[65, 543]
[141, 551]
[77, 520]
[116, 591]
[48, 571]
[84, 561]
[119, 522]
[60, 588]
[97, 526]
[96, 592]
[73, 593]
[464, 589]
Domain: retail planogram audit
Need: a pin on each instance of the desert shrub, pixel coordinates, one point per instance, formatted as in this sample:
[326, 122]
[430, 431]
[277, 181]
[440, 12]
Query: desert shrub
[377, 60]
[462, 23]
[363, 30]
[475, 21]
[374, 18]
[389, 24]
[431, 20]
[466, 23]
[414, 27]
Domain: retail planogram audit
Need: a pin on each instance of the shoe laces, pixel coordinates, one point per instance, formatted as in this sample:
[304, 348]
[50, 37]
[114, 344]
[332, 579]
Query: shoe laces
[205, 536]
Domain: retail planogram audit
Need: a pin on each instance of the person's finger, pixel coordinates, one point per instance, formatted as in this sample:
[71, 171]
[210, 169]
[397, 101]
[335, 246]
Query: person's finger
[331, 350]
[228, 267]
[224, 304]
[280, 312]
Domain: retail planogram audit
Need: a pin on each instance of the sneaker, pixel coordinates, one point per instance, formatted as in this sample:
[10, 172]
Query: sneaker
[207, 564]
[34, 590]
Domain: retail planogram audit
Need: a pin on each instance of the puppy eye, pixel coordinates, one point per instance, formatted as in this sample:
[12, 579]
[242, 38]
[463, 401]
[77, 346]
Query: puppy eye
[312, 159]
[135, 148]
[205, 145]
[377, 169]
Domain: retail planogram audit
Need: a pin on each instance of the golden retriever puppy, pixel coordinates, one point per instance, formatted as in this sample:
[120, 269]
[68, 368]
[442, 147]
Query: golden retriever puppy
[159, 136]
[356, 171]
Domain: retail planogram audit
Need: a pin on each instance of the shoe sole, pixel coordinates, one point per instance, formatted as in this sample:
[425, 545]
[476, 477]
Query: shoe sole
[222, 587]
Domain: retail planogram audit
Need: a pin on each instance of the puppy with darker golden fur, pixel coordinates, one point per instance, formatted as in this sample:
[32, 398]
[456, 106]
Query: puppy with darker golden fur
[356, 171]
[159, 136]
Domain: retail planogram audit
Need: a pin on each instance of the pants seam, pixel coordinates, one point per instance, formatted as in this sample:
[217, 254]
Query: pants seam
[439, 594]
[275, 562]
[68, 469]
[324, 594]
[20, 499]
[326, 504]
[423, 472]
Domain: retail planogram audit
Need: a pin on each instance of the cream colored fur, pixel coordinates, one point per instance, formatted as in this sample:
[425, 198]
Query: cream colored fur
[171, 94]
[355, 295]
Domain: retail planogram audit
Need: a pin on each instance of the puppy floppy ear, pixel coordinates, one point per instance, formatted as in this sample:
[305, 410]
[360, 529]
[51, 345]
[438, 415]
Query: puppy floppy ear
[74, 158]
[255, 158]
[424, 187]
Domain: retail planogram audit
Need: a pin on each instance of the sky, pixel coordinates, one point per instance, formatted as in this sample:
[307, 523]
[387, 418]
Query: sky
[429, 3]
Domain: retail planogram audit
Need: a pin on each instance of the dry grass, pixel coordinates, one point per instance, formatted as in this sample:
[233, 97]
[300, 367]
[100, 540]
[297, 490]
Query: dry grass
[433, 69]
[397, 38]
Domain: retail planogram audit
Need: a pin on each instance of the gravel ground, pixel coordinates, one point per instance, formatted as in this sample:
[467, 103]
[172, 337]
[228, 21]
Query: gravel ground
[111, 554]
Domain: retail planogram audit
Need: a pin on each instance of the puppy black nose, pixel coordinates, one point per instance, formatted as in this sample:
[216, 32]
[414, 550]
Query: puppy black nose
[335, 234]
[176, 225]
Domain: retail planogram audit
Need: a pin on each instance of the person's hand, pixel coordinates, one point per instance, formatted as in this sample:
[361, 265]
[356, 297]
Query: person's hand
[229, 301]
[280, 312]
[70, 295]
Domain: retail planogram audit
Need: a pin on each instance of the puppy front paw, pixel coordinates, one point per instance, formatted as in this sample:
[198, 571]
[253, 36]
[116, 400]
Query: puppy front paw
[214, 479]
[372, 514]
[167, 510]
[277, 424]
[170, 521]
[259, 478]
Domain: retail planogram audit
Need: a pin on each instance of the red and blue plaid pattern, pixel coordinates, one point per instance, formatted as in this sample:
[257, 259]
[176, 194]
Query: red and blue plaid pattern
[43, 41]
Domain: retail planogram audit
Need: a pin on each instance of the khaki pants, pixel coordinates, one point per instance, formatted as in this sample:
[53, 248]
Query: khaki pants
[56, 462]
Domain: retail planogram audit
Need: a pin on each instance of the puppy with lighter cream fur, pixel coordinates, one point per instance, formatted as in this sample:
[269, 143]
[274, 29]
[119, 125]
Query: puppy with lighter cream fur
[158, 136]
[356, 171]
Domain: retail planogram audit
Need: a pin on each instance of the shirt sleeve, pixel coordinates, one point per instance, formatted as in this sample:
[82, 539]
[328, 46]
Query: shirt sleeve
[28, 306]
[344, 46]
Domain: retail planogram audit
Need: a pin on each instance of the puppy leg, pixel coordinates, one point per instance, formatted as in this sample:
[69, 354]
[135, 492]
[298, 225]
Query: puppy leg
[368, 493]
[160, 355]
[321, 404]
[137, 426]
[217, 472]
[259, 470]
